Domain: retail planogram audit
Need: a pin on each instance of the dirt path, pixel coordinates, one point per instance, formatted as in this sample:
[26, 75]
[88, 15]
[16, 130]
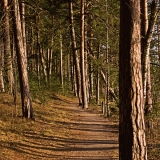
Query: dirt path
[62, 131]
[90, 135]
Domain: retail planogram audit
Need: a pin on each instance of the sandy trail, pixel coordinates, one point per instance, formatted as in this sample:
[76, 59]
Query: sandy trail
[90, 135]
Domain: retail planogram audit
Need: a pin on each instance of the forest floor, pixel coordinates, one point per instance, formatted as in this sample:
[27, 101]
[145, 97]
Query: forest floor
[62, 130]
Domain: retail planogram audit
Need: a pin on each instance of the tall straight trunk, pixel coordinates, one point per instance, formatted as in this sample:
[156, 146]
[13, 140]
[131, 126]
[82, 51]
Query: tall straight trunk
[132, 143]
[50, 63]
[97, 79]
[147, 33]
[90, 47]
[82, 55]
[90, 64]
[27, 110]
[38, 49]
[75, 54]
[43, 63]
[61, 62]
[107, 66]
[72, 69]
[86, 51]
[74, 85]
[1, 67]
[23, 26]
[90, 79]
[68, 67]
[7, 48]
[144, 28]
[31, 54]
[50, 52]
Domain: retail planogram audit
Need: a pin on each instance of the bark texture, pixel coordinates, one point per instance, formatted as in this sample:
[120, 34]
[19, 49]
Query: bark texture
[132, 143]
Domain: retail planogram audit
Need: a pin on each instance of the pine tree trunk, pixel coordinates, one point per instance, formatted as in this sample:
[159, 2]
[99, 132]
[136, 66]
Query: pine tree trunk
[82, 55]
[23, 26]
[7, 48]
[27, 110]
[1, 68]
[50, 63]
[90, 47]
[75, 55]
[86, 51]
[38, 49]
[97, 79]
[107, 67]
[43, 63]
[61, 62]
[132, 143]
[147, 34]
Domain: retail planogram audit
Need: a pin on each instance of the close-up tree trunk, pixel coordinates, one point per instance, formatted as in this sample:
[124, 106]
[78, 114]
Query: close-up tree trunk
[132, 142]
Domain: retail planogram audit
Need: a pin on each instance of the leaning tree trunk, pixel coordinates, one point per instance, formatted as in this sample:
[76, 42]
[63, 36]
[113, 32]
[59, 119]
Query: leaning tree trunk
[132, 143]
[27, 110]
[75, 54]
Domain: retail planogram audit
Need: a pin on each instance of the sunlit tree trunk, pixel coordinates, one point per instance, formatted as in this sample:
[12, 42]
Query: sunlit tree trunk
[75, 54]
[50, 63]
[23, 26]
[82, 55]
[43, 63]
[90, 63]
[132, 143]
[61, 61]
[97, 77]
[7, 47]
[90, 79]
[86, 49]
[107, 66]
[1, 67]
[145, 56]
[27, 110]
[147, 32]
